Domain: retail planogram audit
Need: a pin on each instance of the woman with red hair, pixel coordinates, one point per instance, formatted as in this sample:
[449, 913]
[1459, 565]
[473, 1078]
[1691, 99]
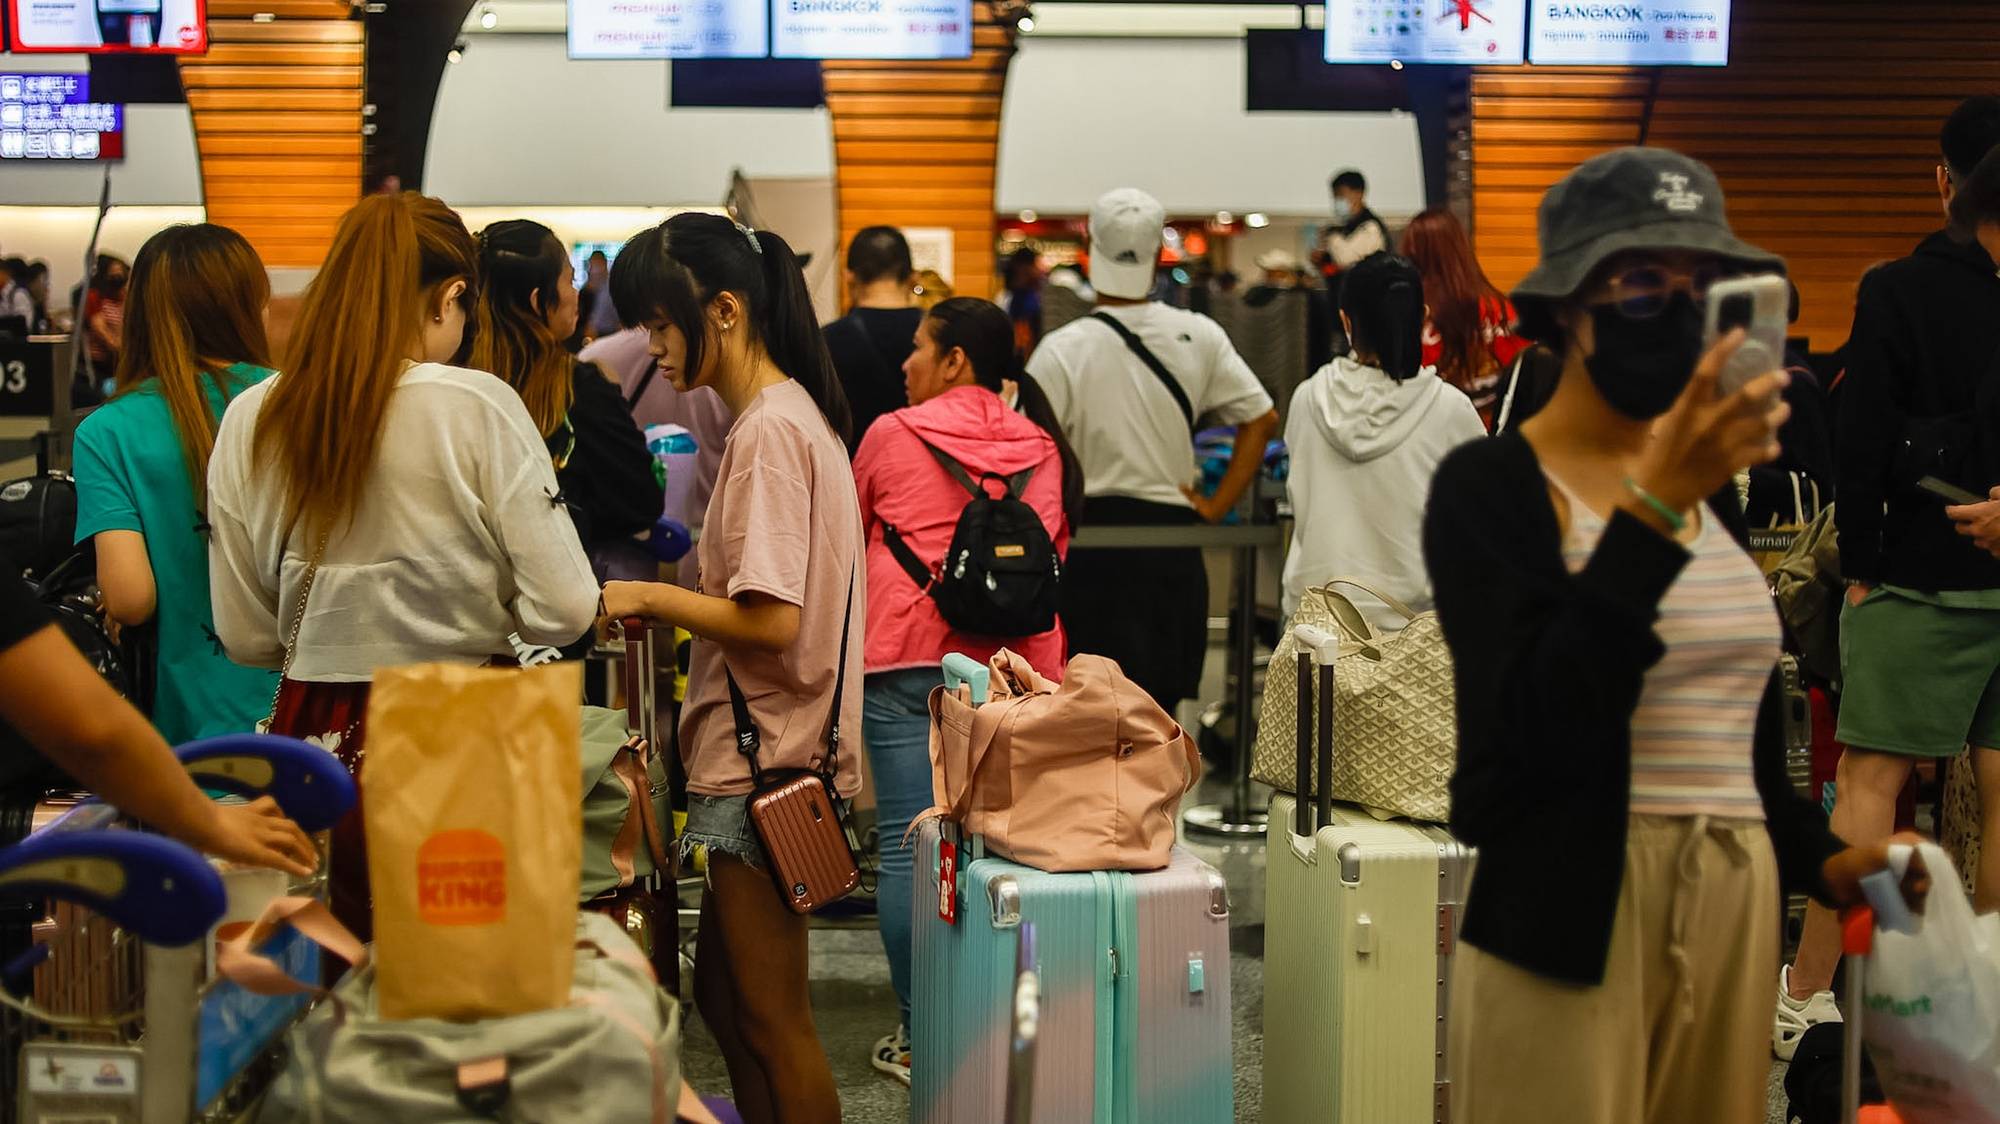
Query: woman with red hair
[1469, 337]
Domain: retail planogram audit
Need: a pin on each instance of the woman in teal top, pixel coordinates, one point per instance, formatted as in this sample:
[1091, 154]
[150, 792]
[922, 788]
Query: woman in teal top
[194, 338]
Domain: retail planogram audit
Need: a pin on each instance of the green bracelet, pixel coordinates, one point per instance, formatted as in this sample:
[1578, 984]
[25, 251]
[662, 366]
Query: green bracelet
[1675, 519]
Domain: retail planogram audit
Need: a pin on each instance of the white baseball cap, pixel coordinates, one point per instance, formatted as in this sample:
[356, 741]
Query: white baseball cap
[1125, 239]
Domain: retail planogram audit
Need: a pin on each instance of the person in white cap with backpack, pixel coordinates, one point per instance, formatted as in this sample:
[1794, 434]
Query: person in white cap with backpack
[1127, 384]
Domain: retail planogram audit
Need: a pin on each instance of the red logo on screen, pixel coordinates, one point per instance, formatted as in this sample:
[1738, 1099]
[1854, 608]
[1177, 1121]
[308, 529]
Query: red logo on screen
[190, 36]
[1466, 11]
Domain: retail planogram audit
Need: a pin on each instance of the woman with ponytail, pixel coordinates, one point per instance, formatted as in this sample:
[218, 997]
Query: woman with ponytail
[964, 356]
[527, 308]
[194, 339]
[1366, 434]
[374, 505]
[781, 597]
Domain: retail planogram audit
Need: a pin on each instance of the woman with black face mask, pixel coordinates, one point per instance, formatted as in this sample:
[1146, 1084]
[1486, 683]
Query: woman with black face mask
[1621, 767]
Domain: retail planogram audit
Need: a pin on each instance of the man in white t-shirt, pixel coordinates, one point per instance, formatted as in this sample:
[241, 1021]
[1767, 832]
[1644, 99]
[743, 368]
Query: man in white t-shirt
[1130, 417]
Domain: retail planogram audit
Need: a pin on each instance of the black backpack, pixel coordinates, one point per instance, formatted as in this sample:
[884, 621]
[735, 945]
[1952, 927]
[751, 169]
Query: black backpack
[1000, 576]
[38, 523]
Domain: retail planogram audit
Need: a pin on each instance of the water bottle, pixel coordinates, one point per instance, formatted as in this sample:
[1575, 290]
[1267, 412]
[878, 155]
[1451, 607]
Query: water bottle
[674, 453]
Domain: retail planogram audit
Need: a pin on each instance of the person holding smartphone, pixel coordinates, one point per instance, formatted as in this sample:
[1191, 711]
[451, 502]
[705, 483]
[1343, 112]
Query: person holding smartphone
[1621, 761]
[782, 595]
[1920, 631]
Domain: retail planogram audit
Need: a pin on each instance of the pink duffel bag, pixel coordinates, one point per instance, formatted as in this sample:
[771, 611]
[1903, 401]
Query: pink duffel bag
[1086, 774]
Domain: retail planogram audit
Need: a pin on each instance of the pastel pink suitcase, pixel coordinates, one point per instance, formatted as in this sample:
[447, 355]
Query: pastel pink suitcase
[1133, 970]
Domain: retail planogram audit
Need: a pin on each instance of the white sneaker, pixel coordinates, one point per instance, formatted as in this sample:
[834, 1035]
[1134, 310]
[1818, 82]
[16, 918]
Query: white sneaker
[1796, 1016]
[892, 1055]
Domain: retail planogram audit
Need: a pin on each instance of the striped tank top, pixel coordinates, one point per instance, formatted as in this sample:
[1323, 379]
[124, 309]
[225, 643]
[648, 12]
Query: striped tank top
[1693, 732]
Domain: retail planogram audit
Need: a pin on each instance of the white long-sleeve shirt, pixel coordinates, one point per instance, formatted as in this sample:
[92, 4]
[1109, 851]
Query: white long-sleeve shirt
[458, 541]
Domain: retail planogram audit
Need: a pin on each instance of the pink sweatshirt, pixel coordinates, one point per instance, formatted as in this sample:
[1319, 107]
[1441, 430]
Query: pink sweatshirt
[900, 483]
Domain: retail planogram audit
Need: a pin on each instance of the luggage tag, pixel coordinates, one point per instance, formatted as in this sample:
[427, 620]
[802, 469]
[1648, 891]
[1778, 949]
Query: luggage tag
[948, 876]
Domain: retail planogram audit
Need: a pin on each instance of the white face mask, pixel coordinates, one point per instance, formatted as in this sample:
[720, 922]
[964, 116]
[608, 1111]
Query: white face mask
[1342, 209]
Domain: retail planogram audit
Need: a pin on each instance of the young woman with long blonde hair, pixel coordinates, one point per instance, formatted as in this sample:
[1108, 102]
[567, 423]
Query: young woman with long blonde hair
[375, 505]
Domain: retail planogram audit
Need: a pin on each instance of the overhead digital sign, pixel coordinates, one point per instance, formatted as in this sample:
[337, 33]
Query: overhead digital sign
[669, 29]
[150, 26]
[1630, 32]
[1463, 32]
[51, 117]
[871, 29]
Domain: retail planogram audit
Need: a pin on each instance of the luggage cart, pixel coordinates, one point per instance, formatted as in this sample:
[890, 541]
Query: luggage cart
[124, 1023]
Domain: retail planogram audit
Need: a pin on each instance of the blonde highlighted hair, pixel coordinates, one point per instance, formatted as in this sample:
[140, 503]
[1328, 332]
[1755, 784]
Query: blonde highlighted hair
[391, 259]
[195, 306]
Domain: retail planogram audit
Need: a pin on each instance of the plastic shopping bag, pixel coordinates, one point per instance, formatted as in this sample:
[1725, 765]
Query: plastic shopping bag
[1932, 998]
[475, 838]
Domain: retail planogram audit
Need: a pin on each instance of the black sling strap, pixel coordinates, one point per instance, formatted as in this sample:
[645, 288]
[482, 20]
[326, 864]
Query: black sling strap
[639, 391]
[1152, 363]
[905, 557]
[747, 739]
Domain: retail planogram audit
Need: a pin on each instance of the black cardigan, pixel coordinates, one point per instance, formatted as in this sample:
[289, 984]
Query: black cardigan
[608, 483]
[1549, 671]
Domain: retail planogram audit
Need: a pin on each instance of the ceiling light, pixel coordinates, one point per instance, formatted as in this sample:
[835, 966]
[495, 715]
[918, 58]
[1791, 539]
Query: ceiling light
[456, 53]
[1257, 220]
[1394, 64]
[1027, 25]
[489, 19]
[1029, 216]
[1224, 218]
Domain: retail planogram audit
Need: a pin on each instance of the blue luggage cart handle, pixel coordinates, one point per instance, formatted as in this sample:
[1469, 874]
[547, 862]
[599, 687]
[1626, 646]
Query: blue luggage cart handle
[310, 785]
[160, 890]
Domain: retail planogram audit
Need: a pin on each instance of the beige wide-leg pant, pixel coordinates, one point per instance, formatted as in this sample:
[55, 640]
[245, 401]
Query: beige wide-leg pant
[1678, 1032]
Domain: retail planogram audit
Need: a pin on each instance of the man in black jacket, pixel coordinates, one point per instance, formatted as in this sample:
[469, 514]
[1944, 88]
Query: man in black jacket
[1921, 643]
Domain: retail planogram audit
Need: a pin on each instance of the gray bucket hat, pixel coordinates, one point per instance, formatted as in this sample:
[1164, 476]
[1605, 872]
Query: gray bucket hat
[1631, 199]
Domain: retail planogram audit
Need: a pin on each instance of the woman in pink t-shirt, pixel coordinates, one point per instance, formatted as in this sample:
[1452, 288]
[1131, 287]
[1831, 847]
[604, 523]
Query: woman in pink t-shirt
[780, 590]
[964, 356]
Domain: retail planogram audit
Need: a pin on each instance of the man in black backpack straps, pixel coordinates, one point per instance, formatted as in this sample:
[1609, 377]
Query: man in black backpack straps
[1127, 384]
[871, 342]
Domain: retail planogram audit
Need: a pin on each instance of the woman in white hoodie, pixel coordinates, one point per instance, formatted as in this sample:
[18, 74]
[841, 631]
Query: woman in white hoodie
[1366, 433]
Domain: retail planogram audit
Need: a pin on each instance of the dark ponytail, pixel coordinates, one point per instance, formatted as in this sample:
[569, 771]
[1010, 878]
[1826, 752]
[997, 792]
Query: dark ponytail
[983, 331]
[1383, 298]
[792, 335]
[674, 270]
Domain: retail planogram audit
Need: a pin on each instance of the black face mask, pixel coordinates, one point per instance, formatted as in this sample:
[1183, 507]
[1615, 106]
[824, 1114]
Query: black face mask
[1641, 366]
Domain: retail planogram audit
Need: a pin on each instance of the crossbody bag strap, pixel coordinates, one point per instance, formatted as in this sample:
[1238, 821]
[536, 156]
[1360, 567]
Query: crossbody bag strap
[1153, 364]
[639, 390]
[1513, 388]
[748, 741]
[298, 620]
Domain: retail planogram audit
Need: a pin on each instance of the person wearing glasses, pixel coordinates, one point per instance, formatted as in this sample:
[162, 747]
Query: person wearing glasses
[1621, 761]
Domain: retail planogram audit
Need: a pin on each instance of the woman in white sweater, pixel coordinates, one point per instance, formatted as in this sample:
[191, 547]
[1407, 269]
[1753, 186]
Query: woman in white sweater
[1366, 434]
[373, 506]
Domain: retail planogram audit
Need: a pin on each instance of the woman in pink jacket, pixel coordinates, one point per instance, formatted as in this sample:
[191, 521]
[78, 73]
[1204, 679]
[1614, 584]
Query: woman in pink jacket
[964, 356]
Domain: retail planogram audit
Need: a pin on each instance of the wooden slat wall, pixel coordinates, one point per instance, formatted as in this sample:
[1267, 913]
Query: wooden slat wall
[916, 145]
[1823, 129]
[277, 112]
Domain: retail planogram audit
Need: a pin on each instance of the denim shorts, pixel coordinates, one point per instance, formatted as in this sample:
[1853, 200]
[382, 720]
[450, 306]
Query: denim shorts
[721, 824]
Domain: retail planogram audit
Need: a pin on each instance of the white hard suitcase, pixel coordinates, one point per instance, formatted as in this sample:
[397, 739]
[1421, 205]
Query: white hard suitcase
[1361, 918]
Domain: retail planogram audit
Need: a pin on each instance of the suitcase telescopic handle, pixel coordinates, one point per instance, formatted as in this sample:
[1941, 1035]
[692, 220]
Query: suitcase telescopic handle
[1325, 649]
[961, 670]
[310, 785]
[641, 679]
[161, 890]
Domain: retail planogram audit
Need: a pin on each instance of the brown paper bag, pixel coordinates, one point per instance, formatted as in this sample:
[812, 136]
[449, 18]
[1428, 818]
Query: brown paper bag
[475, 836]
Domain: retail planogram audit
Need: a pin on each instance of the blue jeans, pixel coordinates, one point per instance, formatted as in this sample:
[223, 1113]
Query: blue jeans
[896, 726]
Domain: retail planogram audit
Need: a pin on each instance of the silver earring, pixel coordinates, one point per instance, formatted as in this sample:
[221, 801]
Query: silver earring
[438, 319]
